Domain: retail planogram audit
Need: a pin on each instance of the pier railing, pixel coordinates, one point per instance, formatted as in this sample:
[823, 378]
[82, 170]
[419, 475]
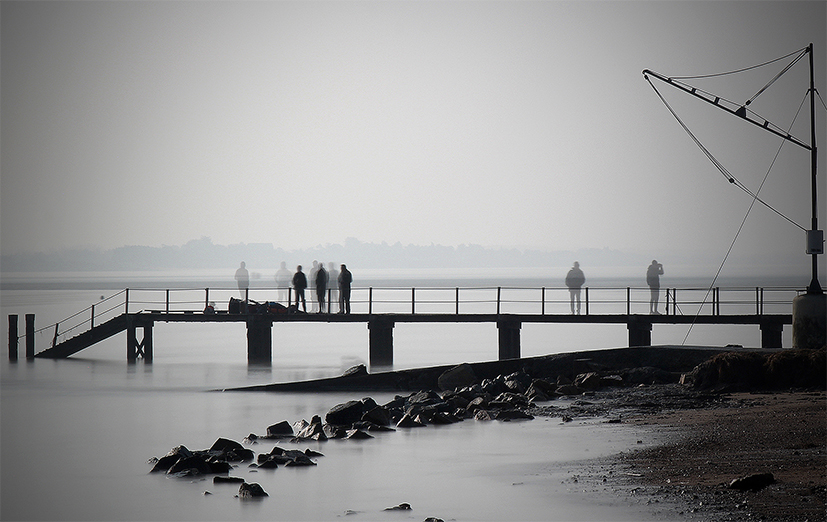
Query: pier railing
[438, 300]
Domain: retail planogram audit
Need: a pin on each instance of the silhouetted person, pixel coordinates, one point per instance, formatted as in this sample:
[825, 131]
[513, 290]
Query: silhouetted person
[574, 280]
[300, 283]
[333, 275]
[283, 278]
[321, 286]
[314, 303]
[243, 279]
[653, 274]
[345, 279]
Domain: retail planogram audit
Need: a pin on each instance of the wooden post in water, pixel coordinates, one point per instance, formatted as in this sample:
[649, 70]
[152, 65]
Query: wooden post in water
[30, 336]
[13, 337]
[380, 341]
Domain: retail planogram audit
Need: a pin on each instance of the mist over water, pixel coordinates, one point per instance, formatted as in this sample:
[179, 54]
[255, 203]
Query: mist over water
[77, 433]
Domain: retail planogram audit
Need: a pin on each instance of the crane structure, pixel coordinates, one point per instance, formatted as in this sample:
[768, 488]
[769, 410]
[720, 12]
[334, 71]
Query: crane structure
[815, 237]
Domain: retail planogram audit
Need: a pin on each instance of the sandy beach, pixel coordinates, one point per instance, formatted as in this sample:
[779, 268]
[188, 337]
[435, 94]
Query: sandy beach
[713, 439]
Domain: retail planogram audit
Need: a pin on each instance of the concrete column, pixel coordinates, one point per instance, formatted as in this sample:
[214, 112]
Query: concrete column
[810, 321]
[771, 334]
[29, 336]
[640, 331]
[509, 337]
[380, 342]
[13, 343]
[259, 340]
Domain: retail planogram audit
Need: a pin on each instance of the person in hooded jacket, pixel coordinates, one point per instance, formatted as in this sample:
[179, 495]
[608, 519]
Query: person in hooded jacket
[574, 280]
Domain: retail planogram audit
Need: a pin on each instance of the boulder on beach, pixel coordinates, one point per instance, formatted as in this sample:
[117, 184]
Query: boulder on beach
[281, 429]
[252, 490]
[459, 376]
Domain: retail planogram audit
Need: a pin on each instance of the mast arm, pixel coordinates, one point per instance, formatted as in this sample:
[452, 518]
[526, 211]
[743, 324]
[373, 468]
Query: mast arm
[740, 111]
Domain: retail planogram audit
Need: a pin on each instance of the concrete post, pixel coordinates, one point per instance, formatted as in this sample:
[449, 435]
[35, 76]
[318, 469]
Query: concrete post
[259, 340]
[380, 342]
[809, 321]
[509, 337]
[30, 336]
[13, 343]
[640, 331]
[771, 334]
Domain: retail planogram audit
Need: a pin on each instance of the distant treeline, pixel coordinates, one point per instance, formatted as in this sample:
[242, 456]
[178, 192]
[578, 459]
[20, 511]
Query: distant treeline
[203, 254]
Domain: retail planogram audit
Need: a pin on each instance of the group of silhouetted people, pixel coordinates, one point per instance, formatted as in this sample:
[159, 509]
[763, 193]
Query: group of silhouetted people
[575, 279]
[319, 280]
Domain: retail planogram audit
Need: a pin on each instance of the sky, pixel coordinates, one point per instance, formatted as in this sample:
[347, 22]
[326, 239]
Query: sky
[522, 124]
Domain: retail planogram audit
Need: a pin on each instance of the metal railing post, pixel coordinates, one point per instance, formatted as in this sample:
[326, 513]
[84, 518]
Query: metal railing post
[370, 300]
[92, 320]
[587, 300]
[499, 290]
[628, 301]
[126, 301]
[413, 301]
[167, 301]
[457, 301]
[543, 297]
[206, 298]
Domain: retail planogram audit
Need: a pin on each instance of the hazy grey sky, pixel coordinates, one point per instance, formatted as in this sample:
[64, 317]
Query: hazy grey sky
[524, 124]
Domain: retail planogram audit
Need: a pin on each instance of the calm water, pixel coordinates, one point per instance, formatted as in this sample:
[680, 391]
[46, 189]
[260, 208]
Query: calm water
[75, 434]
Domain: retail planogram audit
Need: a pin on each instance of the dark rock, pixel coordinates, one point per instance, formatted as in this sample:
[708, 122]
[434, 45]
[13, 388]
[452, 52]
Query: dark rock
[457, 377]
[164, 463]
[409, 422]
[218, 479]
[251, 491]
[332, 431]
[752, 482]
[379, 415]
[312, 430]
[513, 414]
[269, 462]
[611, 380]
[312, 453]
[569, 389]
[521, 377]
[424, 397]
[281, 429]
[194, 465]
[648, 375]
[357, 434]
[345, 414]
[300, 460]
[482, 415]
[225, 446]
[355, 371]
[588, 381]
[401, 507]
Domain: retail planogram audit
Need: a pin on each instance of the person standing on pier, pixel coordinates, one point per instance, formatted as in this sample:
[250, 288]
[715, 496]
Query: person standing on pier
[243, 279]
[321, 286]
[283, 278]
[300, 283]
[314, 303]
[574, 280]
[345, 279]
[333, 275]
[653, 274]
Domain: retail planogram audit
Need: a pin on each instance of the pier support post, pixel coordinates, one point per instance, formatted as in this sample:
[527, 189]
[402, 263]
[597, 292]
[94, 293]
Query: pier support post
[259, 340]
[30, 336]
[810, 321]
[640, 331]
[134, 347]
[771, 334]
[380, 342]
[13, 337]
[509, 336]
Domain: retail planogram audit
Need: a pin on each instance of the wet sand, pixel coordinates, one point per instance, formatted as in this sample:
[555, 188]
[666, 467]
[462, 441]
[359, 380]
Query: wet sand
[709, 441]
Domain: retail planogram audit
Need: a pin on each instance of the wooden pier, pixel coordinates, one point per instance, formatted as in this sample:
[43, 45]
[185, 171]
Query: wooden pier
[113, 316]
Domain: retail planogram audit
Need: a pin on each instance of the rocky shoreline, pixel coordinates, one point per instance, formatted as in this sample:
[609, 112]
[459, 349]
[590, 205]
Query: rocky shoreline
[718, 431]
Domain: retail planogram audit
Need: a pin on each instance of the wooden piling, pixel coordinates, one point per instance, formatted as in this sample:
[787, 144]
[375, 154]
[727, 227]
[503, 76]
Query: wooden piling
[509, 339]
[380, 342]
